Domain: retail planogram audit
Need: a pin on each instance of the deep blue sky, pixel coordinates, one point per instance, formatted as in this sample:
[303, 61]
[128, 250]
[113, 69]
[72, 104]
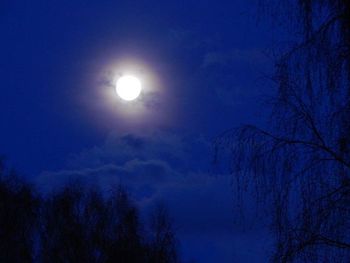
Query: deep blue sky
[204, 62]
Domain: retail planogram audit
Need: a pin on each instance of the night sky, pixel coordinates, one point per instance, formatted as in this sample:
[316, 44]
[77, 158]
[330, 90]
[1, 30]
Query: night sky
[203, 65]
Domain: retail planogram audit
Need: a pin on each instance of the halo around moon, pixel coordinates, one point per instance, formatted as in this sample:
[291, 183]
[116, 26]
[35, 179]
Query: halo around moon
[128, 87]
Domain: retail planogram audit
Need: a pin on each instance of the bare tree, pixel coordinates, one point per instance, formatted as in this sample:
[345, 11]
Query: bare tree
[18, 218]
[63, 232]
[163, 246]
[77, 224]
[300, 166]
[125, 240]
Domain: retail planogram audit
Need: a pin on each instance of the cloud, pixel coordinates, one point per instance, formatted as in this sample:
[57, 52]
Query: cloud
[149, 161]
[188, 39]
[178, 151]
[247, 56]
[162, 165]
[165, 167]
[233, 75]
[135, 174]
[133, 141]
[232, 96]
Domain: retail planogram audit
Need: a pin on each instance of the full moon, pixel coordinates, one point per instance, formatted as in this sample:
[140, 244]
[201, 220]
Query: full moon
[128, 87]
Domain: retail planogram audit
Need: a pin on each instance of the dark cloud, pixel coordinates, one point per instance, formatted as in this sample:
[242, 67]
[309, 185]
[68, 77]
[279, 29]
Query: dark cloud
[154, 169]
[248, 56]
[133, 141]
[134, 174]
[178, 151]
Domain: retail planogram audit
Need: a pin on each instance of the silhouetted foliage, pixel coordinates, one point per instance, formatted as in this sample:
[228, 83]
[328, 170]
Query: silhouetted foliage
[163, 242]
[77, 224]
[300, 166]
[64, 234]
[125, 242]
[18, 217]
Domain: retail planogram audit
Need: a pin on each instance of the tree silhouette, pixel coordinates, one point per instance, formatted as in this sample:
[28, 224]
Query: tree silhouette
[76, 224]
[18, 218]
[63, 232]
[125, 242]
[299, 167]
[96, 220]
[163, 242]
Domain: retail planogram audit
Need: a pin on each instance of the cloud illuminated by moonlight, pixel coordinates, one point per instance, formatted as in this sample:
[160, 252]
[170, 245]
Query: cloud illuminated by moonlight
[154, 107]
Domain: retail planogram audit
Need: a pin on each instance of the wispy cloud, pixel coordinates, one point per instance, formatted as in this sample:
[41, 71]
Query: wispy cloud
[247, 56]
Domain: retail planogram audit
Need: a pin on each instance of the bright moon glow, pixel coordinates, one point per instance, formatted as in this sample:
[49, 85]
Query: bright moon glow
[128, 88]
